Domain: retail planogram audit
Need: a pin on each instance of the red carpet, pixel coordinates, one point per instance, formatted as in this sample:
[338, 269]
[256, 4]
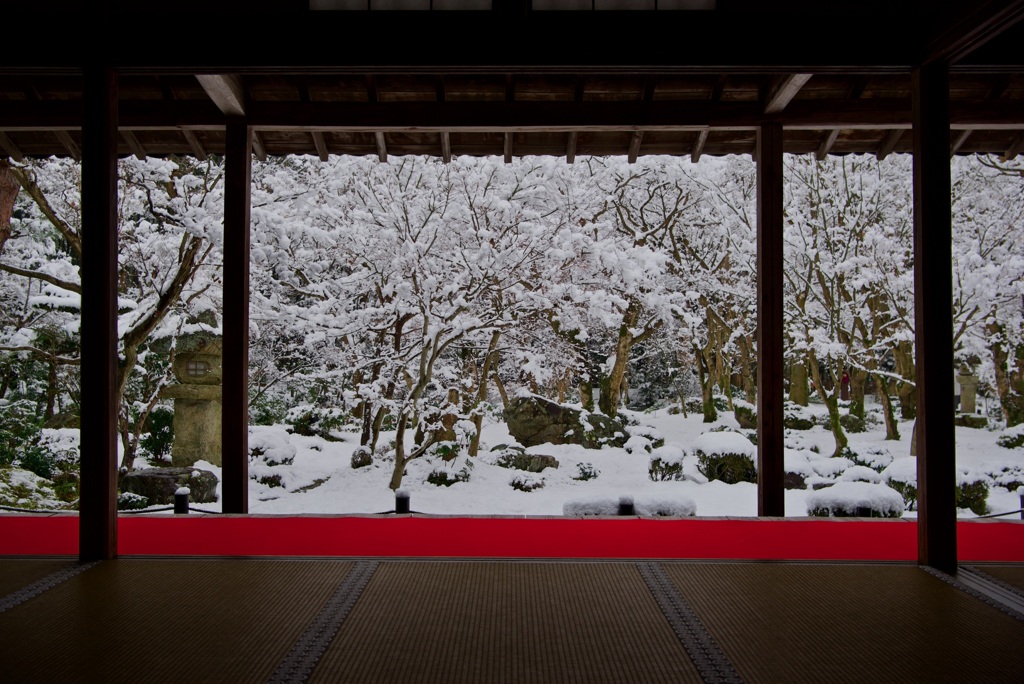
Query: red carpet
[796, 539]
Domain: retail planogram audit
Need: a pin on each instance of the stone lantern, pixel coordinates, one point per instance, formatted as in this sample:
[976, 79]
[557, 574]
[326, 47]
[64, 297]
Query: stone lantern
[197, 399]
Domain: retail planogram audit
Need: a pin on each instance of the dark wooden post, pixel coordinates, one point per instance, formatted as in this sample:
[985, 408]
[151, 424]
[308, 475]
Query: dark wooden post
[97, 510]
[770, 492]
[933, 302]
[235, 435]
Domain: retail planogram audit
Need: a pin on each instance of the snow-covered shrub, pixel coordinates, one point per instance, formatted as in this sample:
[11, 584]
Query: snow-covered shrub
[444, 478]
[901, 475]
[860, 473]
[526, 483]
[860, 499]
[877, 459]
[1011, 477]
[130, 501]
[666, 463]
[797, 469]
[797, 417]
[669, 507]
[972, 492]
[361, 457]
[1012, 438]
[725, 456]
[157, 442]
[270, 445]
[24, 489]
[852, 423]
[745, 414]
[313, 421]
[576, 508]
[586, 471]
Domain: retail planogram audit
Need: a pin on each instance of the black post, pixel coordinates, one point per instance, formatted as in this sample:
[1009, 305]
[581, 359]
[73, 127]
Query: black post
[933, 298]
[181, 501]
[402, 501]
[97, 510]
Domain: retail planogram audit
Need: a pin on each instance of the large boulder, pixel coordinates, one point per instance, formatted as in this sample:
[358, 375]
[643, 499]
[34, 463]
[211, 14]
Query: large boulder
[533, 420]
[159, 484]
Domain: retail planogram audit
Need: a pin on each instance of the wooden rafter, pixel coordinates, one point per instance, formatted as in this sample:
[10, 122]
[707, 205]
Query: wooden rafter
[446, 147]
[226, 91]
[826, 145]
[258, 148]
[9, 148]
[1015, 148]
[197, 147]
[783, 90]
[698, 146]
[320, 144]
[382, 148]
[570, 148]
[69, 144]
[634, 146]
[974, 25]
[134, 145]
[889, 144]
[961, 138]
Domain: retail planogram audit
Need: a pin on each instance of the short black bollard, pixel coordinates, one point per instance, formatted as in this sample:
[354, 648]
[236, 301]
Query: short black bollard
[626, 506]
[1020, 490]
[401, 501]
[181, 501]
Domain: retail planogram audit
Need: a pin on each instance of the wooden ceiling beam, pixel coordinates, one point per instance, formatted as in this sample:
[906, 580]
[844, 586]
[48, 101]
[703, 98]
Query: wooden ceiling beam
[783, 90]
[382, 148]
[959, 142]
[634, 146]
[134, 145]
[69, 144]
[197, 147]
[446, 147]
[698, 147]
[508, 148]
[971, 26]
[889, 144]
[826, 144]
[258, 148]
[570, 148]
[226, 91]
[1015, 148]
[9, 148]
[320, 144]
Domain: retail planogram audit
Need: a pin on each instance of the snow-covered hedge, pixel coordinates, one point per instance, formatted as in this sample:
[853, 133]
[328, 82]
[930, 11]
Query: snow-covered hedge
[652, 506]
[864, 499]
[971, 487]
[269, 444]
[1012, 438]
[666, 463]
[859, 473]
[726, 456]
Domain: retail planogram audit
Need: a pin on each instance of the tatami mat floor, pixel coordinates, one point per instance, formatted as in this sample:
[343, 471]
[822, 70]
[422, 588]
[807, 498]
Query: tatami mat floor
[209, 620]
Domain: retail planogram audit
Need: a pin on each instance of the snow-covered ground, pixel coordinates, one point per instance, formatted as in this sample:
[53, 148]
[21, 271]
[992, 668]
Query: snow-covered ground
[320, 478]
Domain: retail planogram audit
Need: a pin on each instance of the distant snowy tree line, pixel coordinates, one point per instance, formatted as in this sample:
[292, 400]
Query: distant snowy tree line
[412, 298]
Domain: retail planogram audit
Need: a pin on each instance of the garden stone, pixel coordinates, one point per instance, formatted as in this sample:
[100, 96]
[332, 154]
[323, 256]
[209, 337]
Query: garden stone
[159, 484]
[534, 420]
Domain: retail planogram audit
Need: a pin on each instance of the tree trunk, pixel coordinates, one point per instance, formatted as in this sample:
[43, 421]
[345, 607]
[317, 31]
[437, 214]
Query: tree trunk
[1009, 375]
[892, 430]
[400, 460]
[799, 392]
[706, 385]
[831, 401]
[51, 392]
[611, 387]
[858, 380]
[907, 391]
[481, 394]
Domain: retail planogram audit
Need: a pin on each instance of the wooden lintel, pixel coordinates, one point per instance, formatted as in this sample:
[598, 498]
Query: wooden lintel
[961, 138]
[446, 147]
[134, 145]
[508, 148]
[698, 146]
[9, 148]
[197, 147]
[718, 87]
[889, 144]
[783, 90]
[69, 144]
[226, 91]
[634, 146]
[382, 148]
[257, 147]
[570, 148]
[826, 145]
[1015, 148]
[371, 89]
[320, 144]
[440, 90]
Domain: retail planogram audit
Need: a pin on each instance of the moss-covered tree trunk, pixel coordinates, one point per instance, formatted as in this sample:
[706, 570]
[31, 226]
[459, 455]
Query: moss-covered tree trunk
[858, 382]
[1009, 371]
[707, 383]
[892, 430]
[903, 352]
[481, 394]
[831, 401]
[799, 391]
[611, 385]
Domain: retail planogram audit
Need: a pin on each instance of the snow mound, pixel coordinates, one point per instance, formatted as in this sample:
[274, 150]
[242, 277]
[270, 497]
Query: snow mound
[576, 508]
[861, 474]
[647, 505]
[725, 443]
[855, 498]
[270, 444]
[903, 470]
[668, 455]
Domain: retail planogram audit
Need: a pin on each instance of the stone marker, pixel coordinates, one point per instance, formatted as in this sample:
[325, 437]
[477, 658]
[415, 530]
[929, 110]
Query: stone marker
[197, 399]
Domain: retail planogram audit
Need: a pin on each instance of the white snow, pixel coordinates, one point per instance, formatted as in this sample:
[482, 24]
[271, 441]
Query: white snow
[849, 496]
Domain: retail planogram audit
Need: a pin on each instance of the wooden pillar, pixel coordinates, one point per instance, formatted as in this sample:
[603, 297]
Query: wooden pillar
[933, 301]
[770, 492]
[97, 511]
[235, 423]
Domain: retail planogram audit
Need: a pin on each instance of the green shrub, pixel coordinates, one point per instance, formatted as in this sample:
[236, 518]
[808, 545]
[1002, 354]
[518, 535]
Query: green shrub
[586, 471]
[665, 471]
[444, 478]
[130, 501]
[729, 468]
[361, 457]
[526, 485]
[19, 429]
[852, 423]
[157, 442]
[973, 494]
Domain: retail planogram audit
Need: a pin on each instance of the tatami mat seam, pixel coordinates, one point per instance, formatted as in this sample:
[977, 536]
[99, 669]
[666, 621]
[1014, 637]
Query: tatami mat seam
[24, 594]
[953, 581]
